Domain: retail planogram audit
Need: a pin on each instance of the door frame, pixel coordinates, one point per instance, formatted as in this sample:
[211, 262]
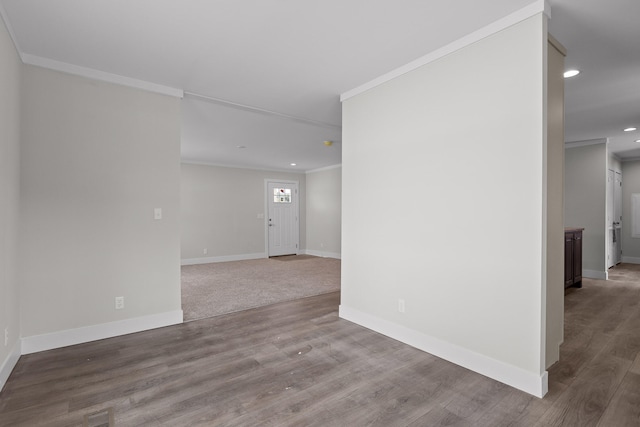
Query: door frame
[609, 229]
[268, 181]
[617, 215]
[614, 222]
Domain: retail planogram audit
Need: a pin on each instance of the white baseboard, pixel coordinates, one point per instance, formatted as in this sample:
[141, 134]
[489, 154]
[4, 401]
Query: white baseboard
[630, 260]
[529, 382]
[68, 337]
[322, 254]
[9, 363]
[595, 274]
[225, 258]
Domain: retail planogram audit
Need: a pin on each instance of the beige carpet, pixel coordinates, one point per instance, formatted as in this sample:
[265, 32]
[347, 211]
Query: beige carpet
[219, 288]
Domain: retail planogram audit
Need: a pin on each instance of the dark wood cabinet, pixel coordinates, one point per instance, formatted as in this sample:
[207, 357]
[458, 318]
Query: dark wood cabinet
[573, 257]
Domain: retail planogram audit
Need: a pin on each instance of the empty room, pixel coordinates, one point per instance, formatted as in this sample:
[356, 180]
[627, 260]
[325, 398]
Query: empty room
[444, 197]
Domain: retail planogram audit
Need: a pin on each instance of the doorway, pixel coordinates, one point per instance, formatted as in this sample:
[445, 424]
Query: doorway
[614, 218]
[282, 222]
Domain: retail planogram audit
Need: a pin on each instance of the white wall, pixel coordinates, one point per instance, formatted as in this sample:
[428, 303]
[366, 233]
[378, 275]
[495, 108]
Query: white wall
[219, 211]
[97, 158]
[585, 202]
[324, 207]
[459, 241]
[554, 221]
[9, 202]
[630, 185]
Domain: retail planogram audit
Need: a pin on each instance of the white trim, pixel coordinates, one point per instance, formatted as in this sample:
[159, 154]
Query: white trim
[556, 44]
[576, 144]
[265, 224]
[252, 109]
[9, 363]
[100, 75]
[12, 34]
[322, 254]
[630, 159]
[532, 383]
[326, 168]
[220, 165]
[85, 334]
[595, 274]
[224, 258]
[630, 260]
[539, 6]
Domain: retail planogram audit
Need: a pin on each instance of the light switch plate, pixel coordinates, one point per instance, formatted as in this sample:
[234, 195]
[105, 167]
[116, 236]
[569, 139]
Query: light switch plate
[157, 213]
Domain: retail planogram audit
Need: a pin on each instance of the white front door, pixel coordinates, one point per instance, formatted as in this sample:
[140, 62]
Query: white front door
[282, 223]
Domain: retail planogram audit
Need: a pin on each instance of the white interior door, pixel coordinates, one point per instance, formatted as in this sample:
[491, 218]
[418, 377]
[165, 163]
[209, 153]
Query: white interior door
[617, 218]
[282, 223]
[614, 218]
[611, 237]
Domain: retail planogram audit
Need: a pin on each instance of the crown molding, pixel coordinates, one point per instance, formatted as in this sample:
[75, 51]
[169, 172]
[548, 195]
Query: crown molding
[12, 34]
[326, 168]
[251, 168]
[252, 109]
[84, 71]
[100, 75]
[584, 143]
[539, 6]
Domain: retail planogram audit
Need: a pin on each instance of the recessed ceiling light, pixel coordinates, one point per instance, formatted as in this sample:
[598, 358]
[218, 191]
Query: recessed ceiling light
[571, 73]
[241, 147]
[637, 140]
[293, 164]
[631, 129]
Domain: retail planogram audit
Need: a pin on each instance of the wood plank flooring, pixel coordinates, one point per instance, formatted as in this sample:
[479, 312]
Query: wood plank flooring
[297, 364]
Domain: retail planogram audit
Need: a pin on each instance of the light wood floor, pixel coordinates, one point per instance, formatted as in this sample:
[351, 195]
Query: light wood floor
[297, 364]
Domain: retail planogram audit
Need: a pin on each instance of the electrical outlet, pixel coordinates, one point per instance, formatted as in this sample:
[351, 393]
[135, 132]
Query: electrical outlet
[205, 251]
[401, 305]
[6, 336]
[119, 303]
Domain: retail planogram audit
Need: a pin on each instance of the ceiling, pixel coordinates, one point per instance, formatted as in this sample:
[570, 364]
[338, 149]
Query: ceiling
[263, 78]
[603, 41]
